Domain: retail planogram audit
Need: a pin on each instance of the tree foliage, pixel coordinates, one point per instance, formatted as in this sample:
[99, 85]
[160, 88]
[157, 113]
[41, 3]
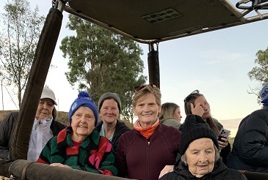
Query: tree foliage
[260, 73]
[101, 61]
[20, 32]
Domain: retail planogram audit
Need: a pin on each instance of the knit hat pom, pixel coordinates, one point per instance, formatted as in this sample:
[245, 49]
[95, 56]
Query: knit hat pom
[83, 94]
[85, 100]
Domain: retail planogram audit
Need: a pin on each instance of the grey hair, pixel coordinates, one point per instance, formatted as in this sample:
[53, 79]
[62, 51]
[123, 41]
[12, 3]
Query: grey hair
[217, 156]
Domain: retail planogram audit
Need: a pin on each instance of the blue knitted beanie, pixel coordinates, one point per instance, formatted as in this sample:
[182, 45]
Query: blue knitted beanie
[264, 94]
[83, 99]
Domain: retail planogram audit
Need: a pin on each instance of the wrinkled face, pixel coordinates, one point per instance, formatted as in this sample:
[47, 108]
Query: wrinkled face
[83, 123]
[147, 110]
[109, 111]
[177, 114]
[44, 109]
[205, 105]
[200, 157]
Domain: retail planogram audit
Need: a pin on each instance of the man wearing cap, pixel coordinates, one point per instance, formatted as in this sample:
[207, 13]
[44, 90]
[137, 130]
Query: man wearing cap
[250, 147]
[109, 106]
[44, 127]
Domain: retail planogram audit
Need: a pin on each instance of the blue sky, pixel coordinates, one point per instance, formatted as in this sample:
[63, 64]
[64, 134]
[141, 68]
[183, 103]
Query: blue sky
[216, 63]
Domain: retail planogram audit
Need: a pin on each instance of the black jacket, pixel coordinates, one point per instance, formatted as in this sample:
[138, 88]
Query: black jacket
[120, 128]
[250, 148]
[7, 127]
[220, 172]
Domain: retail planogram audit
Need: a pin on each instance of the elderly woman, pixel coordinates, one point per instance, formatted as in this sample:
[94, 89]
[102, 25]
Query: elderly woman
[80, 146]
[144, 151]
[198, 99]
[200, 153]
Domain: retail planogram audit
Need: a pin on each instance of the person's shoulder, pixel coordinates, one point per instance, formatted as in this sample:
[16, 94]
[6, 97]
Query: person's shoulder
[121, 125]
[235, 174]
[132, 133]
[170, 176]
[171, 122]
[11, 117]
[59, 123]
[260, 113]
[169, 129]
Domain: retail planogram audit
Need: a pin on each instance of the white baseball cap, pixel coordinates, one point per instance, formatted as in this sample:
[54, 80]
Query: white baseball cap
[48, 93]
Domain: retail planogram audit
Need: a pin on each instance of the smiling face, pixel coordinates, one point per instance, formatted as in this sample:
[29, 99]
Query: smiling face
[44, 109]
[205, 105]
[200, 157]
[147, 110]
[83, 123]
[109, 111]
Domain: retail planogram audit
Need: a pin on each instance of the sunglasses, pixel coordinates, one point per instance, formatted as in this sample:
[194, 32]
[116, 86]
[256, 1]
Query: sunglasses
[139, 87]
[190, 96]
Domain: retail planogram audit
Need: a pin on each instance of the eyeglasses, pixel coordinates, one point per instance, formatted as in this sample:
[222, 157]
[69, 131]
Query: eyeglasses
[139, 87]
[189, 97]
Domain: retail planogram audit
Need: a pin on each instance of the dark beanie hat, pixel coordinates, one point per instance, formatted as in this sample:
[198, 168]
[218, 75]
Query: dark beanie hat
[109, 95]
[83, 99]
[194, 128]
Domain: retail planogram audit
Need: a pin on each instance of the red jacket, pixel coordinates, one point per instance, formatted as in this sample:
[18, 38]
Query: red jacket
[142, 159]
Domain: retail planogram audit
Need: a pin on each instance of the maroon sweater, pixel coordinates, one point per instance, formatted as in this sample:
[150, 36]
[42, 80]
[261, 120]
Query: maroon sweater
[142, 159]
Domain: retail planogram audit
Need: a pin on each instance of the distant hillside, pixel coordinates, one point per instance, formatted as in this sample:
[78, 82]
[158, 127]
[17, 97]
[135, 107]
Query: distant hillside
[231, 124]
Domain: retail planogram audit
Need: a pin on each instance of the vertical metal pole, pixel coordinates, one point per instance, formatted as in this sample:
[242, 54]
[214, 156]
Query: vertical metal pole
[153, 65]
[37, 77]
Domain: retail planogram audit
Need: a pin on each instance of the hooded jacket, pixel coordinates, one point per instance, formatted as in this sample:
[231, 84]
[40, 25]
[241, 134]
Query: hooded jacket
[220, 172]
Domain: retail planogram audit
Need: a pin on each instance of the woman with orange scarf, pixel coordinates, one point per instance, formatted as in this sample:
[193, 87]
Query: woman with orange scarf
[144, 151]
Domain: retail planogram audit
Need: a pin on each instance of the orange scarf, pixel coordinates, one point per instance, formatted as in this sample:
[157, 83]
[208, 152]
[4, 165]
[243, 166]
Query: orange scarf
[148, 131]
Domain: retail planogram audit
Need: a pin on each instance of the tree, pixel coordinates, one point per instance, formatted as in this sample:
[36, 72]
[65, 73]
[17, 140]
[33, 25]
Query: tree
[101, 61]
[21, 28]
[260, 73]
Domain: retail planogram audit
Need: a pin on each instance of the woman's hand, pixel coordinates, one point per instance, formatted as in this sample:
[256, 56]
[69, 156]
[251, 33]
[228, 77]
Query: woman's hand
[223, 143]
[165, 170]
[60, 165]
[197, 110]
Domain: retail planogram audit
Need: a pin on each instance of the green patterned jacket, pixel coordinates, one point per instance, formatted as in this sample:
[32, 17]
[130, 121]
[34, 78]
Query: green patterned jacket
[95, 153]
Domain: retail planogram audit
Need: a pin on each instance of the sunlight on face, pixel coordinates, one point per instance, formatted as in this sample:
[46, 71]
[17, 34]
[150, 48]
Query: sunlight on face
[109, 111]
[147, 110]
[83, 123]
[205, 105]
[200, 157]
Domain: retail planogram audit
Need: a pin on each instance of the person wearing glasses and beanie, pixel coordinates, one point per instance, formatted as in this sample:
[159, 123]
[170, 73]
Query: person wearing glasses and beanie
[198, 99]
[200, 152]
[79, 146]
[109, 106]
[145, 150]
[250, 147]
[44, 127]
